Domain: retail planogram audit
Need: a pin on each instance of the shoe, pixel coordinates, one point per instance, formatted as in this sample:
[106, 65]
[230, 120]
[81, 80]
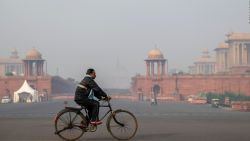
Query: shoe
[96, 122]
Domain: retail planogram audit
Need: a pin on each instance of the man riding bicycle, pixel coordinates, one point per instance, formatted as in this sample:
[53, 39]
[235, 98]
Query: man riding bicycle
[84, 93]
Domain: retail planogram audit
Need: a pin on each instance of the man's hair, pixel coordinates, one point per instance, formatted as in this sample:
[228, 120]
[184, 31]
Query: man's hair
[89, 71]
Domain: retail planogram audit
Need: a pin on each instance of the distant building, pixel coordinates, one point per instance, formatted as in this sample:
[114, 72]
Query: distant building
[222, 58]
[15, 71]
[204, 64]
[229, 72]
[238, 58]
[12, 65]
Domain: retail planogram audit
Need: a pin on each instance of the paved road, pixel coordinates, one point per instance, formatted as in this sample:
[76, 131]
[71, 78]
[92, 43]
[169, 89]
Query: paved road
[166, 122]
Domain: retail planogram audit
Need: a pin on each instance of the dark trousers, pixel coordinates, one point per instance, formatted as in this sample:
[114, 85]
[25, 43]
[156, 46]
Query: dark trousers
[92, 107]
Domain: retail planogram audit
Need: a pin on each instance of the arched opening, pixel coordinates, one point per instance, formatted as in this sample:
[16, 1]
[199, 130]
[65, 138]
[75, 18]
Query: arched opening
[156, 92]
[25, 97]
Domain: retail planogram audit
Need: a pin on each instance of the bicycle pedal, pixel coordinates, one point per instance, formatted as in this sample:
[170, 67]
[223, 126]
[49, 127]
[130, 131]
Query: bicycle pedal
[92, 128]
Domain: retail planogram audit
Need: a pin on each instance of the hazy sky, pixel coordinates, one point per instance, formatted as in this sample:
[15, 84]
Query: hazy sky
[114, 36]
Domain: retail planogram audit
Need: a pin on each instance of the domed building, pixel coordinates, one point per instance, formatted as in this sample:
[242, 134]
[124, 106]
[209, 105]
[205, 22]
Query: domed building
[33, 54]
[233, 56]
[11, 65]
[33, 63]
[30, 71]
[151, 85]
[221, 58]
[205, 64]
[155, 54]
[155, 59]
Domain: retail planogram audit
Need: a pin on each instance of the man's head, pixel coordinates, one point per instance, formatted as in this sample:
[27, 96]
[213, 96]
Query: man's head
[91, 72]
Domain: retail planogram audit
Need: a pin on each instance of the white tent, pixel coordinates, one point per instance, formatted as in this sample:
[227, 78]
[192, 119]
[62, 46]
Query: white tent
[25, 88]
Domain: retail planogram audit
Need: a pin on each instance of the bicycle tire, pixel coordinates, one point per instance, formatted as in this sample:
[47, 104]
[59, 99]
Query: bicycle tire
[65, 120]
[118, 123]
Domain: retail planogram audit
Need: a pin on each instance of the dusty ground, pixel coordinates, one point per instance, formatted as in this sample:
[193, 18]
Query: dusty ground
[165, 122]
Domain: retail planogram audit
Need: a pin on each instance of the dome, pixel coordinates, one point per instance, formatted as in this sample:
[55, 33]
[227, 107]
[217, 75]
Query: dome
[33, 54]
[155, 54]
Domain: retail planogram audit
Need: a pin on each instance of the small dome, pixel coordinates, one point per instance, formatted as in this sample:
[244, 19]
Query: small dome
[155, 54]
[33, 54]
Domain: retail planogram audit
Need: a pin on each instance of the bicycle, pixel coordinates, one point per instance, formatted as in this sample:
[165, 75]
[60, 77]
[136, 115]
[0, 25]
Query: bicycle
[71, 123]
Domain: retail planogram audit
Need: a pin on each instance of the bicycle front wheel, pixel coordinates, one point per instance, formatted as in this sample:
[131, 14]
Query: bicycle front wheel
[122, 125]
[69, 124]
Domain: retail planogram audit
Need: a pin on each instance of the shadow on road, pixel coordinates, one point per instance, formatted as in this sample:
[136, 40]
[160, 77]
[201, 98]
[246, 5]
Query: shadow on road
[146, 137]
[153, 136]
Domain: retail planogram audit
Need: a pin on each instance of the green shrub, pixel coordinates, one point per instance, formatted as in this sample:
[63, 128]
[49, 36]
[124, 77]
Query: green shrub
[232, 96]
[9, 74]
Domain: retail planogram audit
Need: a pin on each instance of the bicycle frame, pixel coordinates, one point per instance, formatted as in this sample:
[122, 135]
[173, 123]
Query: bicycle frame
[108, 105]
[110, 110]
[84, 125]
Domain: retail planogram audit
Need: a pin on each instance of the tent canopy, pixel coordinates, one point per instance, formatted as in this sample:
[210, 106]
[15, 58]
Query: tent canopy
[25, 88]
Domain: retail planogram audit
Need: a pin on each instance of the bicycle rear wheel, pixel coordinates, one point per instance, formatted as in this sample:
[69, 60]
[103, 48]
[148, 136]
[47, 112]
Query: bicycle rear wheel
[122, 125]
[70, 124]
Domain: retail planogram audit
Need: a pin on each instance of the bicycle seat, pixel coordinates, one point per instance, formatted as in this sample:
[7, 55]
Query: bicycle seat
[75, 108]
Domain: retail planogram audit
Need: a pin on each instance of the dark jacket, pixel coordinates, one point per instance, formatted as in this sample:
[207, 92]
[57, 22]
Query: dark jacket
[89, 83]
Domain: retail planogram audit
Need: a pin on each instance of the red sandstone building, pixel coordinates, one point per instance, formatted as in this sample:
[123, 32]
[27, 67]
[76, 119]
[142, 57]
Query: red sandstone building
[14, 71]
[229, 72]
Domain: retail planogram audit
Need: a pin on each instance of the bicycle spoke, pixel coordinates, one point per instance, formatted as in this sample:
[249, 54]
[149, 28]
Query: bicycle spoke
[58, 132]
[117, 125]
[74, 118]
[70, 117]
[63, 120]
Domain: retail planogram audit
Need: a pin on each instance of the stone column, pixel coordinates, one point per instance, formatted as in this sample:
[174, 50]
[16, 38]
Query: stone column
[218, 59]
[197, 68]
[248, 55]
[234, 56]
[42, 68]
[244, 49]
[148, 68]
[241, 54]
[37, 68]
[158, 68]
[202, 68]
[237, 55]
[28, 68]
[163, 68]
[25, 68]
[229, 57]
[152, 68]
[223, 61]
